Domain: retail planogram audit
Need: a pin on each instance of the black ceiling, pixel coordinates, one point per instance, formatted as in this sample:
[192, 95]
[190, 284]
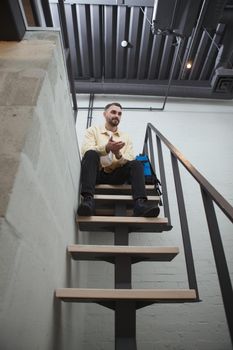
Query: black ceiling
[196, 31]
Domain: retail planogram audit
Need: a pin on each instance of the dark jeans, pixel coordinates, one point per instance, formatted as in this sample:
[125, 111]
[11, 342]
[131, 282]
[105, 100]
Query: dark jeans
[91, 175]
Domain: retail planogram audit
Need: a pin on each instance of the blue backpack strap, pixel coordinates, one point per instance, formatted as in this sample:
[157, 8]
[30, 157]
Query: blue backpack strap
[150, 176]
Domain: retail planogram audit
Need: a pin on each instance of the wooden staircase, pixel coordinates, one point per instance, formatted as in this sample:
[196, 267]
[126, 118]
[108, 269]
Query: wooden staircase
[114, 213]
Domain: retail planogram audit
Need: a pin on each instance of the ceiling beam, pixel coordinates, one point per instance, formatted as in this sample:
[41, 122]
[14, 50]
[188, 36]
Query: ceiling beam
[201, 90]
[96, 41]
[146, 41]
[132, 56]
[109, 2]
[83, 26]
[120, 36]
[109, 57]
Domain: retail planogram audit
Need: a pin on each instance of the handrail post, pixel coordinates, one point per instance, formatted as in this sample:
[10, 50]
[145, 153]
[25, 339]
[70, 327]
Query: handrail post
[152, 156]
[184, 227]
[220, 259]
[163, 180]
[145, 145]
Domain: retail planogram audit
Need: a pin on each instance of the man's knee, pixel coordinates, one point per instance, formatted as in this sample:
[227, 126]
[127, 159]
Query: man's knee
[136, 164]
[91, 155]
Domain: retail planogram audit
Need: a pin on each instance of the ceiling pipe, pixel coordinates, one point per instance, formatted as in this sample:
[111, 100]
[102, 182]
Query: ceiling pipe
[149, 109]
[172, 71]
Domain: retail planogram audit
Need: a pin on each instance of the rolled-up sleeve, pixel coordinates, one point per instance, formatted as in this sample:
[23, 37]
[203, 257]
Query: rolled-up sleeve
[127, 152]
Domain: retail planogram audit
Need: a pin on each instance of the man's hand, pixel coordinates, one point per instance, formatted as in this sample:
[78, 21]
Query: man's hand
[114, 147]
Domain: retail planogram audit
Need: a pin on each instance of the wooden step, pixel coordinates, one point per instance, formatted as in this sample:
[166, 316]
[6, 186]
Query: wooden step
[120, 189]
[111, 198]
[108, 202]
[109, 252]
[100, 295]
[134, 223]
[106, 211]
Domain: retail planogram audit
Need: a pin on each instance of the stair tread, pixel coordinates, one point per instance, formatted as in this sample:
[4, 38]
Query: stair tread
[110, 211]
[120, 189]
[121, 249]
[114, 197]
[76, 294]
[116, 187]
[122, 219]
[133, 223]
[109, 252]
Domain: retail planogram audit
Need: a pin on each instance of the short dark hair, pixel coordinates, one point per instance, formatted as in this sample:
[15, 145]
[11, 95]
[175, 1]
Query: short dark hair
[112, 104]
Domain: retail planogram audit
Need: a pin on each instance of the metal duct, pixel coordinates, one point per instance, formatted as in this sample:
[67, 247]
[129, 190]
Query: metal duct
[190, 91]
[180, 16]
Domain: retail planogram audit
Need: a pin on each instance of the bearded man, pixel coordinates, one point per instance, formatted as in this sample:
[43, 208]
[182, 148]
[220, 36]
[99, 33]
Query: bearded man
[108, 158]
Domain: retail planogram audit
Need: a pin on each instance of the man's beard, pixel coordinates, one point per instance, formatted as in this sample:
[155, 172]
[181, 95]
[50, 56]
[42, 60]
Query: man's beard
[114, 121]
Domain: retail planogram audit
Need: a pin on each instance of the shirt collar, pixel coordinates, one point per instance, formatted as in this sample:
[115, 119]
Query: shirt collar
[103, 130]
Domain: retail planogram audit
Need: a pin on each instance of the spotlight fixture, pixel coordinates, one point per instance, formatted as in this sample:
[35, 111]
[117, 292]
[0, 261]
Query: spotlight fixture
[189, 65]
[124, 43]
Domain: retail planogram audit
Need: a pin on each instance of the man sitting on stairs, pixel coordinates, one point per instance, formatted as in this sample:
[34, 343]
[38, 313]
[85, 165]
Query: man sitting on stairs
[108, 158]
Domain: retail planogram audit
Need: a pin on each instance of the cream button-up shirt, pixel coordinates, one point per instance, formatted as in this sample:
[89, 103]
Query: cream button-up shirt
[96, 139]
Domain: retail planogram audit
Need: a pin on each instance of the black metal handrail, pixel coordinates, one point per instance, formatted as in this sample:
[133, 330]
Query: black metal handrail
[210, 196]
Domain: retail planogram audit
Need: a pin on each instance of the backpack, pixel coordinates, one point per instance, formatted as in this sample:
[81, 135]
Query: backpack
[150, 176]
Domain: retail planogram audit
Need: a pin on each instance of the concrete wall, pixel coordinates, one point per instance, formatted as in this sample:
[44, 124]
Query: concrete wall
[202, 130]
[39, 177]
